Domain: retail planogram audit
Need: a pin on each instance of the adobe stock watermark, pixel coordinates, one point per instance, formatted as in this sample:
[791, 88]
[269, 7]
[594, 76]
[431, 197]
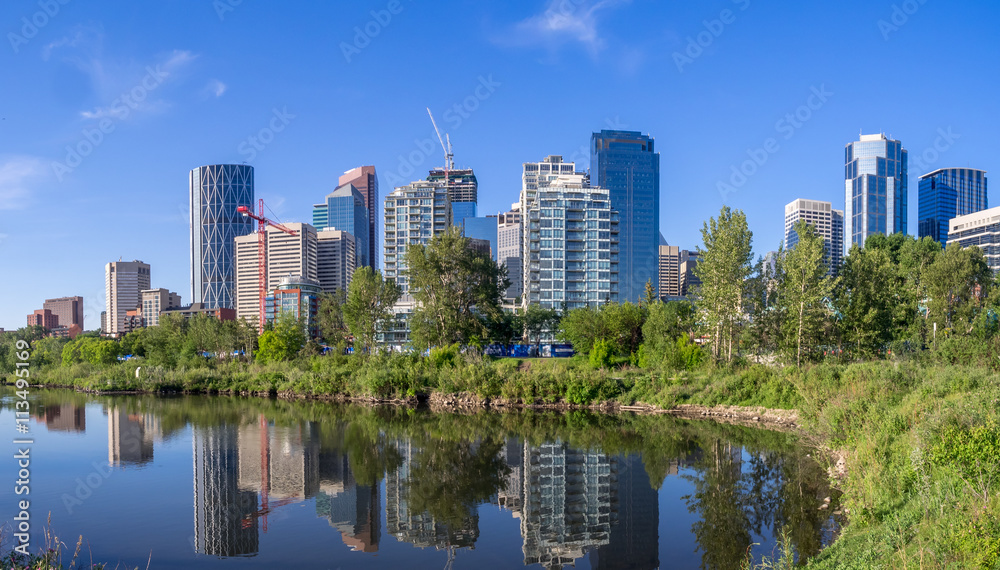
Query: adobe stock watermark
[924, 160]
[86, 486]
[455, 116]
[786, 126]
[363, 35]
[258, 141]
[899, 17]
[714, 28]
[223, 7]
[121, 107]
[31, 25]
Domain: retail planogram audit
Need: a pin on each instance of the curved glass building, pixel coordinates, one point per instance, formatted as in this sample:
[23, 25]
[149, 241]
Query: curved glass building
[216, 191]
[875, 188]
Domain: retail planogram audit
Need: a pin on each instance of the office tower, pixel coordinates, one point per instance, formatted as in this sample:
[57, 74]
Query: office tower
[335, 259]
[298, 296]
[345, 209]
[509, 250]
[484, 229]
[156, 300]
[123, 283]
[981, 229]
[670, 265]
[68, 309]
[948, 193]
[43, 318]
[225, 516]
[284, 255]
[626, 164]
[216, 191]
[413, 215]
[366, 181]
[130, 437]
[104, 322]
[570, 503]
[689, 281]
[634, 540]
[875, 189]
[571, 245]
[463, 191]
[827, 222]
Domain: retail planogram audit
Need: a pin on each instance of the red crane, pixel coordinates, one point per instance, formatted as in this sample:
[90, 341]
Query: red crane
[262, 224]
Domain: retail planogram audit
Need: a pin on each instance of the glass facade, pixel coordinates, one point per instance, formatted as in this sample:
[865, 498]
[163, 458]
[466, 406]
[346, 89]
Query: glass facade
[216, 192]
[345, 210]
[625, 163]
[413, 215]
[299, 297]
[980, 229]
[482, 228]
[875, 188]
[945, 194]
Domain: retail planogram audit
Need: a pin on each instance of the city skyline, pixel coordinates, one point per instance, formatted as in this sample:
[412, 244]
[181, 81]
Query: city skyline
[672, 72]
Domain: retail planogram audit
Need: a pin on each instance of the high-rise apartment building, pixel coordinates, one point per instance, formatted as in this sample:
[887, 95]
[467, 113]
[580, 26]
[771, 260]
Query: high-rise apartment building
[284, 255]
[68, 309]
[829, 224]
[571, 245]
[216, 191]
[509, 250]
[626, 164]
[413, 215]
[670, 266]
[336, 259]
[947, 193]
[124, 282]
[366, 181]
[345, 209]
[875, 188]
[463, 191]
[156, 300]
[981, 229]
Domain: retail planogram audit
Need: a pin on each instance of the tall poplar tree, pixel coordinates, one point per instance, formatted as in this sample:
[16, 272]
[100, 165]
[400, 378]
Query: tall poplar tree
[805, 291]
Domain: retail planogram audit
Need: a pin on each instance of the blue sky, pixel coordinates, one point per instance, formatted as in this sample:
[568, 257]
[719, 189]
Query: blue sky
[145, 91]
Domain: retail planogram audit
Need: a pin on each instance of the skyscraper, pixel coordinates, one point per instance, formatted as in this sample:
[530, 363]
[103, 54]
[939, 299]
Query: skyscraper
[68, 309]
[284, 255]
[124, 282]
[335, 259]
[345, 209]
[366, 181]
[875, 188]
[413, 215]
[156, 300]
[216, 191]
[829, 224]
[670, 278]
[463, 191]
[626, 164]
[945, 194]
[509, 250]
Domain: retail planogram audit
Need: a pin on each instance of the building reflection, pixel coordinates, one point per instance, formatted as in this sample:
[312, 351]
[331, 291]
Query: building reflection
[225, 521]
[130, 436]
[350, 508]
[634, 540]
[64, 417]
[421, 528]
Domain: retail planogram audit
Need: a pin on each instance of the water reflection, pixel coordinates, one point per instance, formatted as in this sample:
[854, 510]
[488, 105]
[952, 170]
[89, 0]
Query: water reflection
[577, 486]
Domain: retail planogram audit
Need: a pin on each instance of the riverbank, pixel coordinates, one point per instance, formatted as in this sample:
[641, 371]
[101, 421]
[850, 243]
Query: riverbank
[915, 445]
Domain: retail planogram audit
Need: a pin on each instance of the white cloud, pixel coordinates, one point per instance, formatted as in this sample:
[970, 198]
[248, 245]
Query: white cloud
[216, 88]
[135, 97]
[18, 174]
[563, 21]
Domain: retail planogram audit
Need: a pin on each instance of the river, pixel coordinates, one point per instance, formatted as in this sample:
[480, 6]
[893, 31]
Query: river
[224, 482]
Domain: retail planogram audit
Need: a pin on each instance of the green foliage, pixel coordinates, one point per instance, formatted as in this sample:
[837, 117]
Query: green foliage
[445, 356]
[958, 282]
[368, 306]
[332, 327]
[600, 354]
[455, 287]
[283, 341]
[538, 320]
[974, 451]
[803, 293]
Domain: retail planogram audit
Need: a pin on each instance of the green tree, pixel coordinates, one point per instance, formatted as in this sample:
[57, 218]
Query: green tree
[958, 282]
[668, 321]
[369, 304]
[726, 262]
[865, 300]
[538, 320]
[456, 289]
[283, 341]
[763, 331]
[649, 294]
[332, 327]
[624, 322]
[805, 291]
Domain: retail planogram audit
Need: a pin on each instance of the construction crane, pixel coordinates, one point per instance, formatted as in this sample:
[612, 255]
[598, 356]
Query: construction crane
[449, 157]
[262, 224]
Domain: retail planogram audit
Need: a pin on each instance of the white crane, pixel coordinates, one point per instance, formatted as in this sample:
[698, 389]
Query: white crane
[449, 157]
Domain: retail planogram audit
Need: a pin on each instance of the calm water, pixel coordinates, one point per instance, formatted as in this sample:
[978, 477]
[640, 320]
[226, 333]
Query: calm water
[218, 482]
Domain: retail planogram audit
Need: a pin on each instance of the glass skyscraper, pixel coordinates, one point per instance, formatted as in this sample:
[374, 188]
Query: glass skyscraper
[345, 209]
[875, 188]
[947, 193]
[624, 162]
[216, 191]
